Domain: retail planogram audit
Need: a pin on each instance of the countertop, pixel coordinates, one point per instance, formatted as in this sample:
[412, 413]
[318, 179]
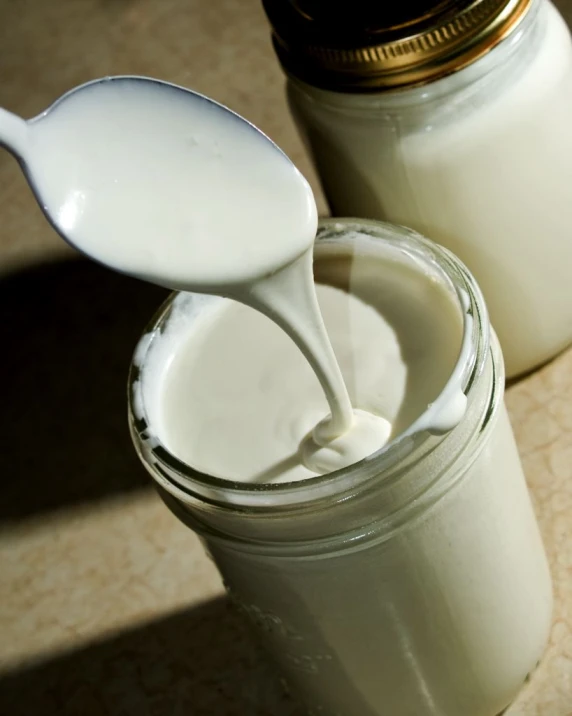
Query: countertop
[108, 606]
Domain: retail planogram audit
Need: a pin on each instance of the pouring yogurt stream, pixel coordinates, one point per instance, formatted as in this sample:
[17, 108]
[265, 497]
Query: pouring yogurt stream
[166, 185]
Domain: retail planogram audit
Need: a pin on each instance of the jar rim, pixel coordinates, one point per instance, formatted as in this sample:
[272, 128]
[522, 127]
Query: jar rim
[188, 484]
[368, 52]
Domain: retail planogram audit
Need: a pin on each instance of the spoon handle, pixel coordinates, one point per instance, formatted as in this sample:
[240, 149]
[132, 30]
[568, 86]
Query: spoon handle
[13, 133]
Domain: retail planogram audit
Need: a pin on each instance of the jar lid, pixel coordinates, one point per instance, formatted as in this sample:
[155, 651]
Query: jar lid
[368, 46]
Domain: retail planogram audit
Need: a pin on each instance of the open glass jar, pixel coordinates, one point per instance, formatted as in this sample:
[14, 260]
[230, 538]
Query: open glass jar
[413, 582]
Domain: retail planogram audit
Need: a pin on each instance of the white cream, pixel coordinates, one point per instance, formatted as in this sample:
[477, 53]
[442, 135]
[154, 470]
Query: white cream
[427, 618]
[230, 395]
[173, 188]
[414, 583]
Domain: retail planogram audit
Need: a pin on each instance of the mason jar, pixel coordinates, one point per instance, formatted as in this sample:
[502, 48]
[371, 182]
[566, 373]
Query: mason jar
[413, 582]
[453, 119]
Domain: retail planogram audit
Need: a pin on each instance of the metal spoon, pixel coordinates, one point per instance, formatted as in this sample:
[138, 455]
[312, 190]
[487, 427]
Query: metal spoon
[162, 183]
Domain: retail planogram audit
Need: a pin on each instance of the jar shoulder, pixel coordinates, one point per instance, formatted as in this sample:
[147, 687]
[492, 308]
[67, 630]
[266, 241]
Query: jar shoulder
[531, 69]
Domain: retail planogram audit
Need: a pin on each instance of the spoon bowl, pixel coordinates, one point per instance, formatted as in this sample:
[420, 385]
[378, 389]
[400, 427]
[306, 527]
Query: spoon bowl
[162, 183]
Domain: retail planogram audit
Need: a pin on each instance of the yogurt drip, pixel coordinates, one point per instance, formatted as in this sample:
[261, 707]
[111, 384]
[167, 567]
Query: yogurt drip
[173, 188]
[345, 435]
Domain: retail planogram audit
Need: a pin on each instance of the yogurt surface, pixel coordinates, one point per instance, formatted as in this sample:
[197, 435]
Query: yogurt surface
[229, 394]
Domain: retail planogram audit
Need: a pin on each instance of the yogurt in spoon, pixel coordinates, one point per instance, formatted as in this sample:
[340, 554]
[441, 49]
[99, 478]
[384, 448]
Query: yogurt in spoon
[167, 185]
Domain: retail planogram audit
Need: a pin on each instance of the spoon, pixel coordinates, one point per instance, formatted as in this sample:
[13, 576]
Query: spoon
[162, 183]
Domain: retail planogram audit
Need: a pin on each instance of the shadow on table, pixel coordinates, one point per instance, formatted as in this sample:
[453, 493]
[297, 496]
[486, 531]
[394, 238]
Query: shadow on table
[200, 662]
[68, 332]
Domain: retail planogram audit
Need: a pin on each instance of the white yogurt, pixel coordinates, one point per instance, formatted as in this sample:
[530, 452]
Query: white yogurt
[414, 582]
[170, 187]
[428, 618]
[230, 395]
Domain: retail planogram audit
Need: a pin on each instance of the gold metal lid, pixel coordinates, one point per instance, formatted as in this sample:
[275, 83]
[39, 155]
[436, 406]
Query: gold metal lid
[371, 46]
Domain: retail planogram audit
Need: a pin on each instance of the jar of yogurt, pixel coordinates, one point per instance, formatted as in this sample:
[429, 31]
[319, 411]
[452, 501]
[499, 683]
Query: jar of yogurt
[411, 582]
[454, 121]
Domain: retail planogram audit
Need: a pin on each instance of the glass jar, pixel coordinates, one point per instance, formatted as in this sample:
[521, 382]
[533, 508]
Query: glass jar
[414, 582]
[475, 154]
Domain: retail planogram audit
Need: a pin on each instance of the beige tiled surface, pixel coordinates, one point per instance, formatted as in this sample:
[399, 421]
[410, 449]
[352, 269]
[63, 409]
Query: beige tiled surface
[107, 605]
